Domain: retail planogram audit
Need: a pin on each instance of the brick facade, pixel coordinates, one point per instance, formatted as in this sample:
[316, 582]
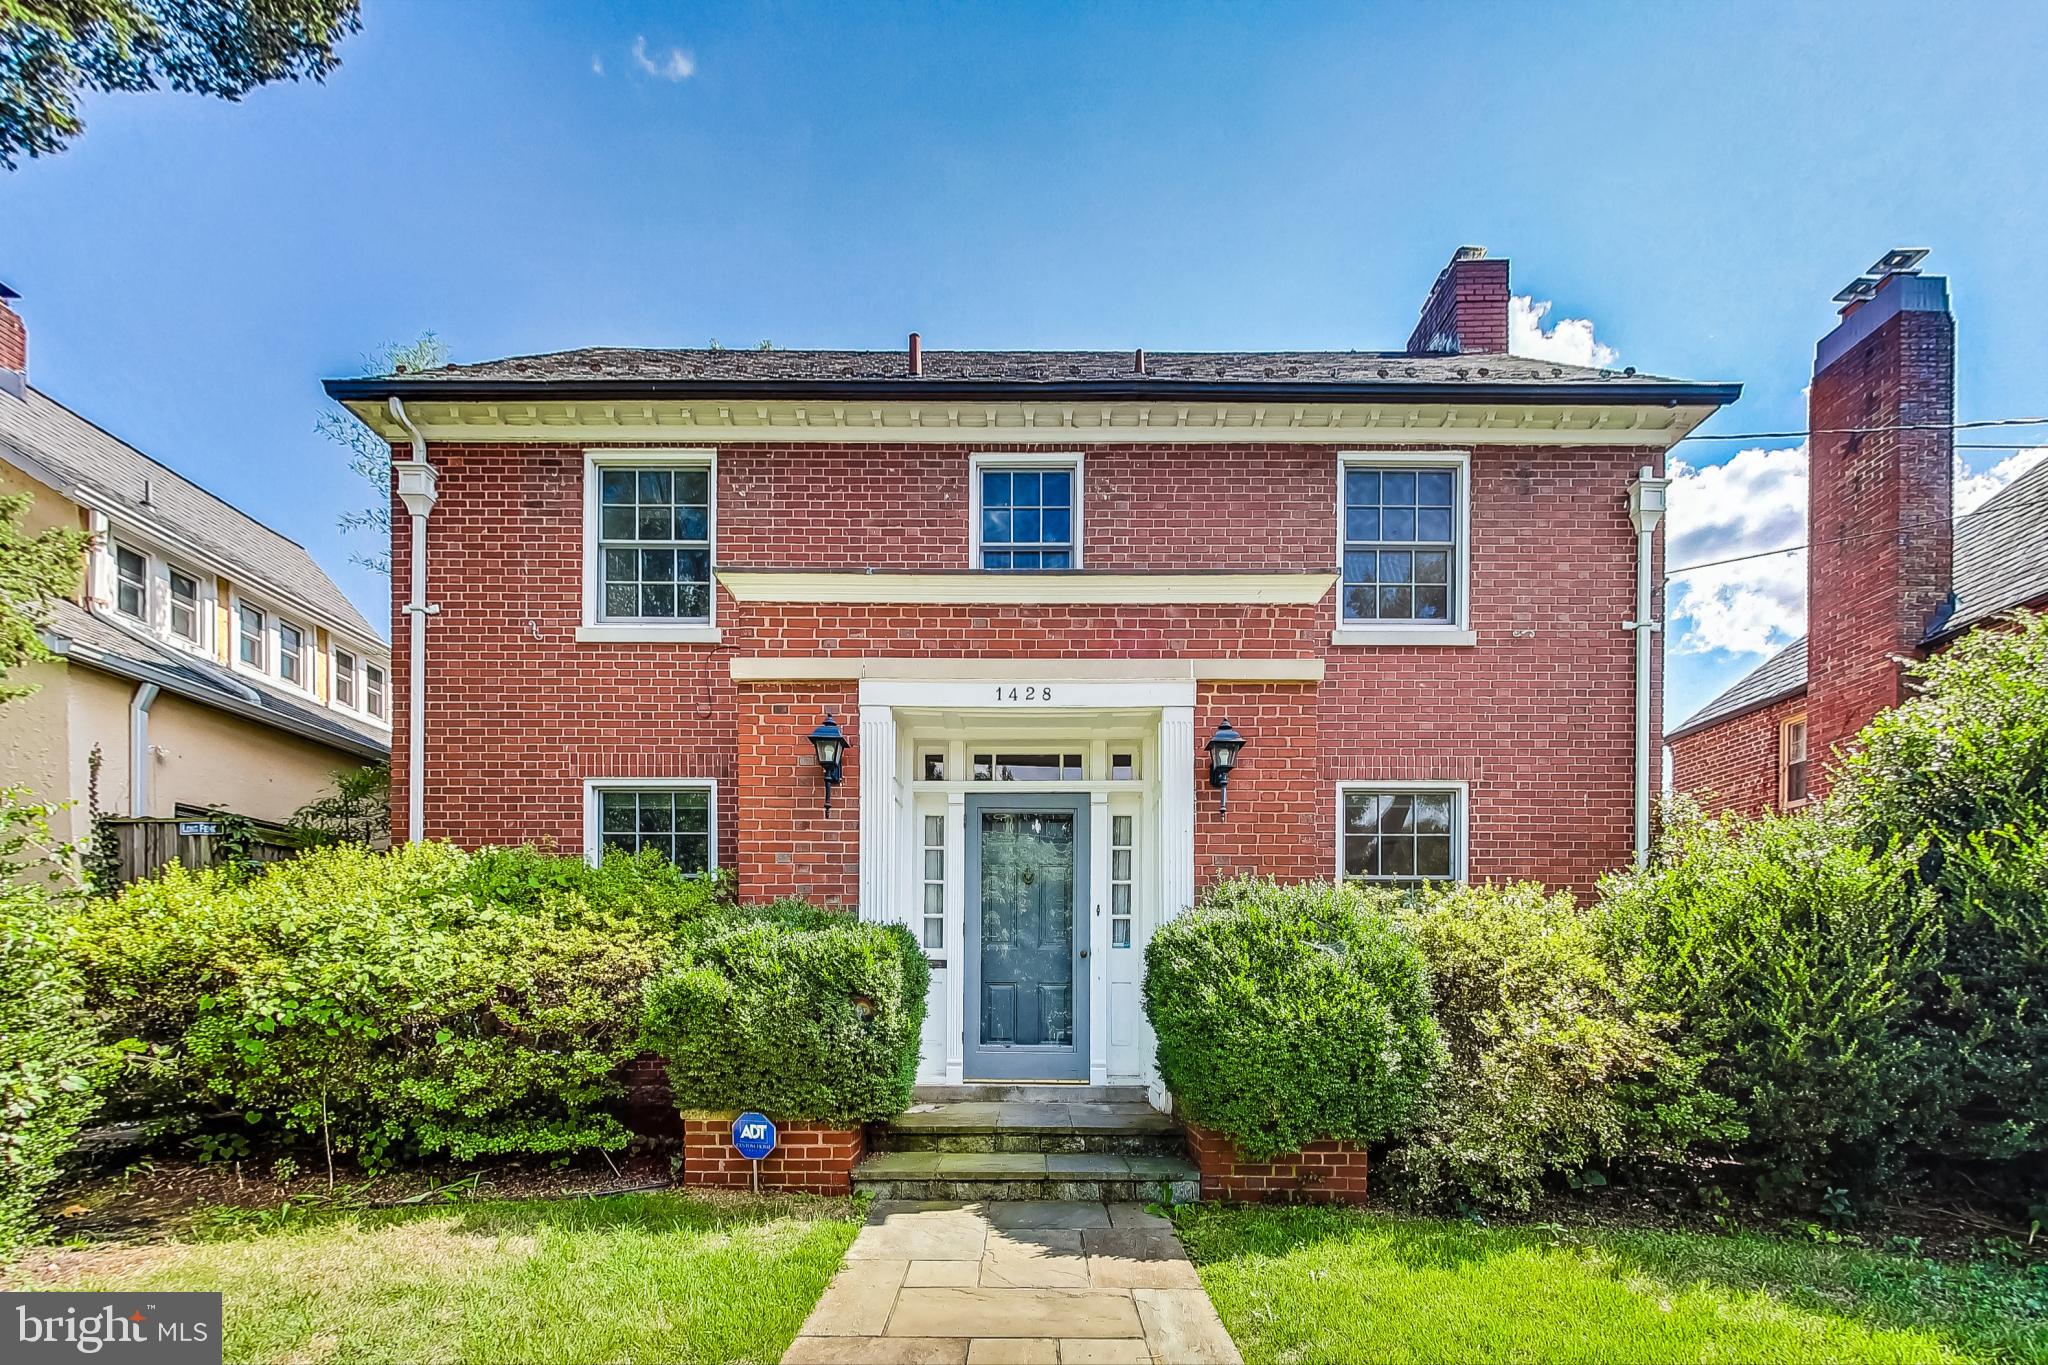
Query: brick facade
[13, 340]
[808, 1158]
[1537, 717]
[1322, 1172]
[1733, 766]
[1467, 308]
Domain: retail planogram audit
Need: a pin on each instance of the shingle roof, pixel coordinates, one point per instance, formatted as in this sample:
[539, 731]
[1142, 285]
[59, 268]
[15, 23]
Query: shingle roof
[632, 365]
[2000, 560]
[54, 444]
[99, 643]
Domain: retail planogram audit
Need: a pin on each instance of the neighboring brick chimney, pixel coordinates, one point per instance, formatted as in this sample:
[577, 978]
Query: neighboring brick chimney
[13, 346]
[1881, 501]
[1467, 309]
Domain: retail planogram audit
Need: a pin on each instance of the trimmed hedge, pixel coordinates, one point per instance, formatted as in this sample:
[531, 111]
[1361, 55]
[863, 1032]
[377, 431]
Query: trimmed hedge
[1290, 1013]
[425, 1000]
[806, 1015]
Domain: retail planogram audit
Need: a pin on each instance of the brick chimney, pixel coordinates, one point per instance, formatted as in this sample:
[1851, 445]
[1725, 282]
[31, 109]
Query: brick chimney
[1881, 496]
[1467, 308]
[13, 346]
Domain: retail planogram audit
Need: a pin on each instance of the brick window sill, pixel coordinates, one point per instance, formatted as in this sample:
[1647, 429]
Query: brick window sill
[1398, 635]
[644, 635]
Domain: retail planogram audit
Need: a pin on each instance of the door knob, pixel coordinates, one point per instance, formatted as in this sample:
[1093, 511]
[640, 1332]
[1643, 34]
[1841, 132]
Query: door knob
[1084, 952]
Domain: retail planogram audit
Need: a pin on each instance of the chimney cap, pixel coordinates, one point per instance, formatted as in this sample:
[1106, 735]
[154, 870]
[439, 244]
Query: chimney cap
[1900, 260]
[1469, 253]
[6, 293]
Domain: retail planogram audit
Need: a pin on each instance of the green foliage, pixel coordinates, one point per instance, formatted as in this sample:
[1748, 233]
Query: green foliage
[356, 811]
[52, 1065]
[51, 51]
[800, 1013]
[1549, 1069]
[1961, 772]
[425, 1000]
[1289, 1013]
[1792, 959]
[34, 570]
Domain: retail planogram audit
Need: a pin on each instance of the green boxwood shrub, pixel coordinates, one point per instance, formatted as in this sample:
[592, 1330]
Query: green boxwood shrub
[1289, 1013]
[426, 1000]
[1549, 1069]
[1961, 772]
[1793, 960]
[801, 1013]
[52, 1064]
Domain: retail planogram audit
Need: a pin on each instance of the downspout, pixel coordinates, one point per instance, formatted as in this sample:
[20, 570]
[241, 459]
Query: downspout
[1645, 510]
[138, 747]
[416, 488]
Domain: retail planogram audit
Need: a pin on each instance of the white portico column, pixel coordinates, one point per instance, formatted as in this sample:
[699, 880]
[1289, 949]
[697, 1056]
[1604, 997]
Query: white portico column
[876, 757]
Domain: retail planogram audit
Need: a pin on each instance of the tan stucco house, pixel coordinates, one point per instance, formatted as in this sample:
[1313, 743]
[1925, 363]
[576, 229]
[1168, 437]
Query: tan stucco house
[209, 660]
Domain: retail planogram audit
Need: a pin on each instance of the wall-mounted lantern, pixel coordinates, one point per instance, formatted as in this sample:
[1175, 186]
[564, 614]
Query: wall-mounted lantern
[1223, 747]
[828, 741]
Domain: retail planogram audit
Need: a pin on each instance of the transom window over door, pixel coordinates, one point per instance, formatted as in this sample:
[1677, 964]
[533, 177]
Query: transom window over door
[674, 821]
[1027, 516]
[1402, 527]
[654, 543]
[1401, 834]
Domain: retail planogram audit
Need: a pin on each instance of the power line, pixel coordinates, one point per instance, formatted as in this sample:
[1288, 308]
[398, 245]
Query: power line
[1842, 539]
[1869, 431]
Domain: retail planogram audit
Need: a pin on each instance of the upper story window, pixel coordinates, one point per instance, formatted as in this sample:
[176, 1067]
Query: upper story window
[251, 647]
[131, 583]
[1792, 763]
[651, 522]
[373, 690]
[1027, 513]
[358, 684]
[187, 623]
[291, 654]
[345, 666]
[1401, 833]
[1402, 522]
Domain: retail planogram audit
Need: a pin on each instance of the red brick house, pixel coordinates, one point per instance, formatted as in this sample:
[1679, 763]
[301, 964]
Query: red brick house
[1031, 587]
[1891, 573]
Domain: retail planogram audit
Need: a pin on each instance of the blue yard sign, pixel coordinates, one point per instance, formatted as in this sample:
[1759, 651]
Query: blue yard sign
[753, 1135]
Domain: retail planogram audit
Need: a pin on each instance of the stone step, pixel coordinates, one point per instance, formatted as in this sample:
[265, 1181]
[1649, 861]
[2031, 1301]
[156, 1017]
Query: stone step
[1033, 1126]
[975, 1176]
[1026, 1092]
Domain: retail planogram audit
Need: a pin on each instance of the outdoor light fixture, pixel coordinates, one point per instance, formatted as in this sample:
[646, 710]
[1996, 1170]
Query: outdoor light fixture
[828, 741]
[1223, 747]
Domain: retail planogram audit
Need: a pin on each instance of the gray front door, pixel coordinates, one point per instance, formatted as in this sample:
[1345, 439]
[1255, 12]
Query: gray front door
[1027, 937]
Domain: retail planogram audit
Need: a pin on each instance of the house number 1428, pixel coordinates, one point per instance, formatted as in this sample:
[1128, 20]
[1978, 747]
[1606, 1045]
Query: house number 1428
[1023, 693]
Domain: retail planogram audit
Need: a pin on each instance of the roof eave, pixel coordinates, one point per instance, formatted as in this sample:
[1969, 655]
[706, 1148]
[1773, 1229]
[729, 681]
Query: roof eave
[1696, 725]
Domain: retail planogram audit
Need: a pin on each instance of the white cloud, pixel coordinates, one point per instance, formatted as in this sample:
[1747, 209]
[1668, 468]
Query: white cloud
[596, 65]
[672, 65]
[1974, 490]
[1569, 341]
[1755, 502]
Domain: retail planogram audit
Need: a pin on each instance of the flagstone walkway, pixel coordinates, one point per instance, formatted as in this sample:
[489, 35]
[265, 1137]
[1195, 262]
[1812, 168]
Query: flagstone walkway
[1037, 1283]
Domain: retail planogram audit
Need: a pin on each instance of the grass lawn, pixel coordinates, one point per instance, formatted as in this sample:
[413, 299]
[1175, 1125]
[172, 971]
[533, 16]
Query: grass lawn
[645, 1277]
[1302, 1285]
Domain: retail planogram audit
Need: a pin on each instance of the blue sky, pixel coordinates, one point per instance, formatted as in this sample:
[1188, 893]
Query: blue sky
[1691, 181]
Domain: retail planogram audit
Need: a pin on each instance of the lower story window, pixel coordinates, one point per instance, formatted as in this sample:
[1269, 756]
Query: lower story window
[674, 821]
[1792, 764]
[1401, 834]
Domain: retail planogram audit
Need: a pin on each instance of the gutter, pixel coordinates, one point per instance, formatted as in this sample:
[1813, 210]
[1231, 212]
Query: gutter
[139, 768]
[1693, 727]
[417, 489]
[1645, 510]
[1668, 393]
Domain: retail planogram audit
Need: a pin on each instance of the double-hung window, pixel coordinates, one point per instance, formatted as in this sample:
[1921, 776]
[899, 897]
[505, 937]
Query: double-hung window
[1792, 764]
[1401, 832]
[291, 654]
[373, 690]
[1027, 514]
[250, 645]
[131, 583]
[345, 665]
[677, 819]
[651, 524]
[1402, 522]
[186, 619]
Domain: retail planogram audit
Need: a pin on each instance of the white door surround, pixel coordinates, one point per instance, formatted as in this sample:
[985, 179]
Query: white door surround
[916, 744]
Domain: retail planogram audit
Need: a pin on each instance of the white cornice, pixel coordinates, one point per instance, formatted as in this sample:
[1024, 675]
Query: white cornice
[967, 586]
[738, 422]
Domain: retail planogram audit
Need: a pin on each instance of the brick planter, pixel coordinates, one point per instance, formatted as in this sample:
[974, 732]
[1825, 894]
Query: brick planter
[1328, 1172]
[809, 1158]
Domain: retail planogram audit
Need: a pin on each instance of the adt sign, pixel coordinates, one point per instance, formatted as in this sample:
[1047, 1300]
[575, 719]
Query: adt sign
[753, 1135]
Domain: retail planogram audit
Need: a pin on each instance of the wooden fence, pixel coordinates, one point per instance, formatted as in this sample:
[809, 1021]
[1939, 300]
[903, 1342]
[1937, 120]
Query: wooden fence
[148, 844]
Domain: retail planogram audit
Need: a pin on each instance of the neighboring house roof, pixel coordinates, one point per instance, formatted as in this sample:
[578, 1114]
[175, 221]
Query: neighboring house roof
[2000, 561]
[848, 374]
[53, 444]
[81, 637]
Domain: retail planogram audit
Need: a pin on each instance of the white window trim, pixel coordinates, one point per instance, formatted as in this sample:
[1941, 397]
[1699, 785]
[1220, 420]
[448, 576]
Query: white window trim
[116, 544]
[206, 608]
[1020, 459]
[1461, 823]
[360, 710]
[593, 811]
[309, 653]
[235, 661]
[382, 665]
[1456, 631]
[592, 629]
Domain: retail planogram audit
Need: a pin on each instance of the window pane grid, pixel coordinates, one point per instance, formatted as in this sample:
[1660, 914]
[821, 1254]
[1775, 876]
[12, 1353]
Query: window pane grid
[131, 583]
[1399, 836]
[676, 824]
[1027, 519]
[250, 631]
[1400, 544]
[1122, 877]
[934, 882]
[291, 654]
[654, 544]
[184, 606]
[1027, 768]
[373, 687]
